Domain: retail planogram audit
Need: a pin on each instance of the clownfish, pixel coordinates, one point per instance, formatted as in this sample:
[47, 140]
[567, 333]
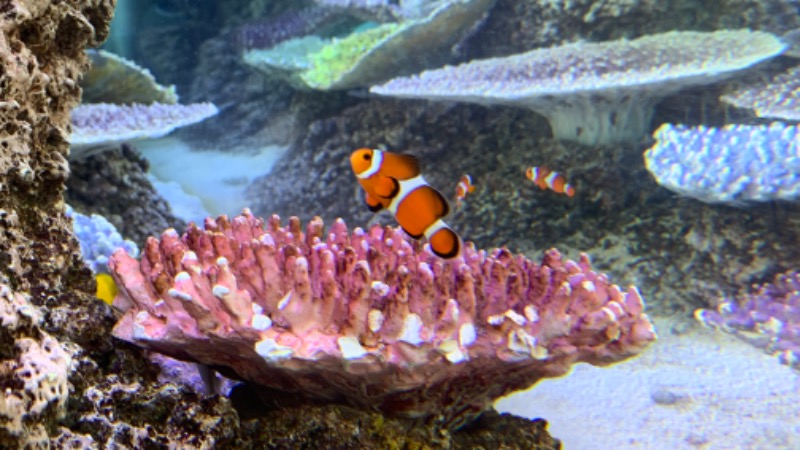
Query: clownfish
[393, 181]
[463, 188]
[106, 288]
[546, 178]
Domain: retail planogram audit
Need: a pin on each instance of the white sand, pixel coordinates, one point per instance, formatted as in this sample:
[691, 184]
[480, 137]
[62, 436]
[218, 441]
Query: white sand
[730, 396]
[218, 178]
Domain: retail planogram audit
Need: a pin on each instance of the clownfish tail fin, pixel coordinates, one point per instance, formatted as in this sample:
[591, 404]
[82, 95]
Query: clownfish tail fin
[444, 242]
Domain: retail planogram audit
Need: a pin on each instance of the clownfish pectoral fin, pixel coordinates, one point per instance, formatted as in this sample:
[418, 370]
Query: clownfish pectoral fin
[373, 204]
[386, 187]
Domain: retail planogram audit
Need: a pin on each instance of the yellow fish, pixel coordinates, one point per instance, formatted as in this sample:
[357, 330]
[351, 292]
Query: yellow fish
[106, 288]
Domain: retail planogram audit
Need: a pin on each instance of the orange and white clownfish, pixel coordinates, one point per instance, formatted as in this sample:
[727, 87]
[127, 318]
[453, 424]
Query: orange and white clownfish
[546, 178]
[463, 188]
[393, 181]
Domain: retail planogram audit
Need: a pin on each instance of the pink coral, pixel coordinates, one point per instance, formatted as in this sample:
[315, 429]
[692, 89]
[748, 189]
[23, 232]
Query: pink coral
[371, 318]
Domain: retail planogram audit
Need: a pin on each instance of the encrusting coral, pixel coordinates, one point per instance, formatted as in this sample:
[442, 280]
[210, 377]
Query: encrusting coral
[370, 318]
[33, 373]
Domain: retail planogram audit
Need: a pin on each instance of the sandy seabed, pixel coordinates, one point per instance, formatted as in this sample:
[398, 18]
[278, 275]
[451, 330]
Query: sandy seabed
[698, 390]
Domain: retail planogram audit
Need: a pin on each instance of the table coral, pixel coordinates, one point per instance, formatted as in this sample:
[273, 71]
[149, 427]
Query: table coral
[370, 318]
[599, 92]
[377, 54]
[99, 125]
[734, 164]
[114, 79]
[778, 98]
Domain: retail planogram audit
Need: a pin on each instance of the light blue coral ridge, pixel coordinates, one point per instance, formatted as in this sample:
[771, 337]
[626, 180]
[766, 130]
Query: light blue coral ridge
[734, 164]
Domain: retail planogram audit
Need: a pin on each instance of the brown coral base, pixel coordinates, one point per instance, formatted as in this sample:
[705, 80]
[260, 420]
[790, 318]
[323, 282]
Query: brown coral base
[342, 427]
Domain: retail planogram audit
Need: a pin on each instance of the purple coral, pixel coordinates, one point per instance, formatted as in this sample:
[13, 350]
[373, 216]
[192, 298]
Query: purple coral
[266, 33]
[769, 318]
[99, 124]
[370, 318]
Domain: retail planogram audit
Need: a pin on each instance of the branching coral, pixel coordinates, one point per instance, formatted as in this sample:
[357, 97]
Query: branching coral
[370, 318]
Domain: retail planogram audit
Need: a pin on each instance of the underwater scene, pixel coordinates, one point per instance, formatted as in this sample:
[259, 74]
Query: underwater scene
[400, 224]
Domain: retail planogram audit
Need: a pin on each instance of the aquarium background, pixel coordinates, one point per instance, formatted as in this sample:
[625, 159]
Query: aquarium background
[281, 146]
[674, 121]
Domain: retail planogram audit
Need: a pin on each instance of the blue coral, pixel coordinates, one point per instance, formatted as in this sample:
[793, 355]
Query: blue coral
[734, 164]
[98, 239]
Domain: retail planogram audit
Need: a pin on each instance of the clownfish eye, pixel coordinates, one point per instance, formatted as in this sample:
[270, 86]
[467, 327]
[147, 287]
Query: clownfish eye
[367, 156]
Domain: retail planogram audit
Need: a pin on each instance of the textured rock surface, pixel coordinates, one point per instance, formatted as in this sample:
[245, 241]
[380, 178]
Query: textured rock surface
[41, 52]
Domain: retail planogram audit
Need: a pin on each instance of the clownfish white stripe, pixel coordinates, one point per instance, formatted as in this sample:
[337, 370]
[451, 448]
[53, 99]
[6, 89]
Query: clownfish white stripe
[375, 166]
[405, 188]
[550, 179]
[434, 227]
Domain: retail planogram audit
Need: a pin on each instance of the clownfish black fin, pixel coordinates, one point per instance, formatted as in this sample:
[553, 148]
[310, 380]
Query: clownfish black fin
[443, 202]
[373, 204]
[415, 236]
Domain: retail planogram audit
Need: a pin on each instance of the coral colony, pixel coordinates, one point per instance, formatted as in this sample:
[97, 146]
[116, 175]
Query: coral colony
[735, 164]
[768, 318]
[598, 92]
[370, 318]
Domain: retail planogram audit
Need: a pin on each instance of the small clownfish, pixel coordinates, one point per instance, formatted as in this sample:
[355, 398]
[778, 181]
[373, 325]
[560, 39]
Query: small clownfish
[393, 181]
[546, 178]
[106, 288]
[463, 188]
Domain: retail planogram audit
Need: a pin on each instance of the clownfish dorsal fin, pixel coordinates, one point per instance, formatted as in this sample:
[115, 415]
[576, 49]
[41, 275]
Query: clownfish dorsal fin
[410, 161]
[400, 166]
